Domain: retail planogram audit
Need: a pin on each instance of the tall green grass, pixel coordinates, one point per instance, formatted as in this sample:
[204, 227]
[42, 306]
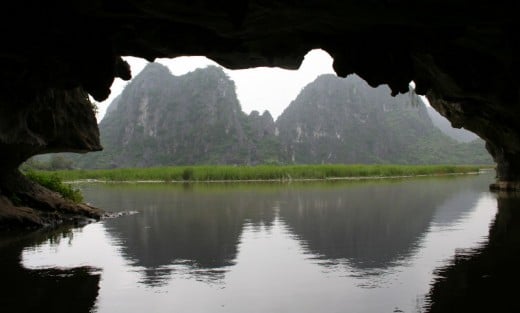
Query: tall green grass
[261, 172]
[53, 182]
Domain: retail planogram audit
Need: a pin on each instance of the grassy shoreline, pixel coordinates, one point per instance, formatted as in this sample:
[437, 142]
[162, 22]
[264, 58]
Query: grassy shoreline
[219, 173]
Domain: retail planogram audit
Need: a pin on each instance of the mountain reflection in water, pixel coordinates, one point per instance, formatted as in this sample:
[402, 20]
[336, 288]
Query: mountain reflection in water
[329, 247]
[373, 226]
[361, 225]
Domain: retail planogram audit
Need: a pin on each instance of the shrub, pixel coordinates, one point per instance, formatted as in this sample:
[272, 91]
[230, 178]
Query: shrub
[54, 183]
[187, 173]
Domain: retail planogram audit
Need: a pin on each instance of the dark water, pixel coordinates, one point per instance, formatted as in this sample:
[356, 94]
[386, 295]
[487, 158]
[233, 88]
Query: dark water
[389, 246]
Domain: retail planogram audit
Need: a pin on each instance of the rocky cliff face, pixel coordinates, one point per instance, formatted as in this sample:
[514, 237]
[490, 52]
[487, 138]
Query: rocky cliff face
[336, 120]
[459, 134]
[160, 119]
[264, 138]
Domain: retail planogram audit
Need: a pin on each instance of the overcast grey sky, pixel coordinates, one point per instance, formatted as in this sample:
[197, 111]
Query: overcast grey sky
[258, 89]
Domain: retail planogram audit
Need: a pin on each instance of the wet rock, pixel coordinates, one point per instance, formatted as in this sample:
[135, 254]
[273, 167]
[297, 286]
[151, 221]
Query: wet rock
[25, 204]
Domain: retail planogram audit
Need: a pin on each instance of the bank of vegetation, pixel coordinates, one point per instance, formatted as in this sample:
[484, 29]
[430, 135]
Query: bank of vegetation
[256, 173]
[53, 182]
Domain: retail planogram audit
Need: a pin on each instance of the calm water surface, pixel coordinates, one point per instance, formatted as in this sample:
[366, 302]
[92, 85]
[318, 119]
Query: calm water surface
[315, 247]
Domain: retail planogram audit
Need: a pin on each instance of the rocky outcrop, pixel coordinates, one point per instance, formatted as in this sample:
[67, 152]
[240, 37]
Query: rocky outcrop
[262, 126]
[25, 204]
[462, 54]
[500, 131]
[54, 121]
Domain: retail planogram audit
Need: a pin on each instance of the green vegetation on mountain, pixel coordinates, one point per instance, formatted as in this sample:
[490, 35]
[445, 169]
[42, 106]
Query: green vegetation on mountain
[165, 120]
[459, 134]
[161, 119]
[336, 120]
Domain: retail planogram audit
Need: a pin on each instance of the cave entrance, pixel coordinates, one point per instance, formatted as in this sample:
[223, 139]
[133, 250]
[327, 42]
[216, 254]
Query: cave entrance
[173, 111]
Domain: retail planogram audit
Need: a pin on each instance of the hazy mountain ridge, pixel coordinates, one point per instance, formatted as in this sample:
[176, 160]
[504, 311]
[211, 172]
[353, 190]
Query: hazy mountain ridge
[336, 120]
[161, 119]
[459, 134]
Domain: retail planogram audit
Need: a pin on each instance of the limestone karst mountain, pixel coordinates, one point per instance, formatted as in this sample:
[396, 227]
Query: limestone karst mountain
[459, 134]
[335, 120]
[162, 119]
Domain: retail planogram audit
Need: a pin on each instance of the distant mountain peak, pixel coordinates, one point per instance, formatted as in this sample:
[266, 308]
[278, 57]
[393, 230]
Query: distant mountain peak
[344, 120]
[196, 118]
[155, 66]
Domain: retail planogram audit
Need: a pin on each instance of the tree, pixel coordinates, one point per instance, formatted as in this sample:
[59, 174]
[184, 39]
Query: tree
[59, 162]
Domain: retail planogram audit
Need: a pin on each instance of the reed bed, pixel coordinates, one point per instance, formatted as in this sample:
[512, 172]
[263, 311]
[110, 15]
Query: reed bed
[259, 173]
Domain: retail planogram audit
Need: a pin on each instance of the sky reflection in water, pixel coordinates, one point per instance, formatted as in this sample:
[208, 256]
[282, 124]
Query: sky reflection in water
[358, 247]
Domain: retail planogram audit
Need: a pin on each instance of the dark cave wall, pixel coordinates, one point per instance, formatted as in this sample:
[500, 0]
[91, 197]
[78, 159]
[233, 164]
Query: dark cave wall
[53, 121]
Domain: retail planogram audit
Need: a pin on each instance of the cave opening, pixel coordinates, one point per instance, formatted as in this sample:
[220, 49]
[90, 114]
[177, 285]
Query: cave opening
[462, 55]
[268, 91]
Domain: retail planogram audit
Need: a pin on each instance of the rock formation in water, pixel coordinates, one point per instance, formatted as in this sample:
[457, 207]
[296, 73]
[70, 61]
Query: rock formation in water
[161, 119]
[462, 54]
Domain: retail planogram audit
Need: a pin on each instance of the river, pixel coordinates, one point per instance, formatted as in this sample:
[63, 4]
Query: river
[358, 246]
